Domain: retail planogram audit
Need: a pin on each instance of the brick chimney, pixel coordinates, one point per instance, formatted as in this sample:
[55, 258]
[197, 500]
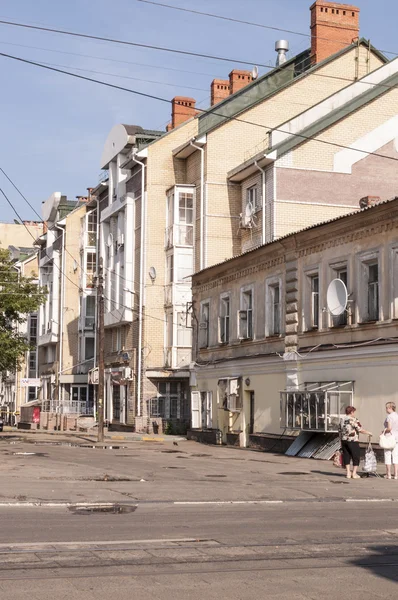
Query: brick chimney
[368, 201]
[182, 109]
[238, 80]
[219, 90]
[333, 26]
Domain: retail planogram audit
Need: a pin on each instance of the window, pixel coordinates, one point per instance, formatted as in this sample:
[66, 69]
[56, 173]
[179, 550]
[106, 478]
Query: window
[276, 310]
[184, 333]
[89, 348]
[91, 225]
[314, 279]
[33, 363]
[202, 410]
[373, 292]
[89, 317]
[245, 316]
[170, 268]
[204, 325]
[224, 320]
[251, 197]
[90, 269]
[341, 320]
[117, 339]
[184, 266]
[185, 208]
[32, 393]
[33, 330]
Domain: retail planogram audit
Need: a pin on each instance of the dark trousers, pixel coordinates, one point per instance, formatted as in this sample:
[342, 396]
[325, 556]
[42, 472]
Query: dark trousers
[351, 451]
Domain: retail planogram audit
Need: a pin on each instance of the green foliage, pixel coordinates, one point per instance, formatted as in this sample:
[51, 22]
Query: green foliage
[19, 296]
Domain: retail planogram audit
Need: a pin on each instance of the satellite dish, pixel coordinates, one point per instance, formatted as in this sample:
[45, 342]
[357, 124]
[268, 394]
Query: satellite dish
[255, 73]
[109, 241]
[337, 297]
[152, 273]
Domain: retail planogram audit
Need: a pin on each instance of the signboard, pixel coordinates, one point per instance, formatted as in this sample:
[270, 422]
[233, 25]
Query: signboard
[93, 376]
[27, 382]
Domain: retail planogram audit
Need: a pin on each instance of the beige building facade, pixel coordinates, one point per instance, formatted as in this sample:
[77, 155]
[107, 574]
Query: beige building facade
[290, 149]
[259, 359]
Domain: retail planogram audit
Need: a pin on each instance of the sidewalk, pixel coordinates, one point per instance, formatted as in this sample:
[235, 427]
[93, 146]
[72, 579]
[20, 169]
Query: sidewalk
[91, 435]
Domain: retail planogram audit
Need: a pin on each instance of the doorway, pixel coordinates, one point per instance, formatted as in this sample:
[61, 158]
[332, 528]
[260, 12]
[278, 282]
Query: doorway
[251, 415]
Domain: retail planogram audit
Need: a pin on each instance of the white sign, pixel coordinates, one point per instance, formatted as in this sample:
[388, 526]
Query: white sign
[27, 382]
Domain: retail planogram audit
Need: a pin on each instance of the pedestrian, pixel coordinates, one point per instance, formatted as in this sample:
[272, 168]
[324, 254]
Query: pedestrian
[391, 426]
[350, 430]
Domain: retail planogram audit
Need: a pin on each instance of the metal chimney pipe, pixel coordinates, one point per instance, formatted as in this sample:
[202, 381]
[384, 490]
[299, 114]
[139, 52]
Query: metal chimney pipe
[281, 47]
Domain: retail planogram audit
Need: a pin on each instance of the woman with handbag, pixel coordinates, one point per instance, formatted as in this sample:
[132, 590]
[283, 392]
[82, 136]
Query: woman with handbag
[390, 433]
[350, 430]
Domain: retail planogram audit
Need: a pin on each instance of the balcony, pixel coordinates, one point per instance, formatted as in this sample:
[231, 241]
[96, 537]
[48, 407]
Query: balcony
[177, 294]
[177, 358]
[179, 235]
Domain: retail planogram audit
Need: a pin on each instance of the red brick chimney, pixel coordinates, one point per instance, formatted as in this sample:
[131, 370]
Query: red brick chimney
[333, 26]
[182, 109]
[219, 90]
[238, 80]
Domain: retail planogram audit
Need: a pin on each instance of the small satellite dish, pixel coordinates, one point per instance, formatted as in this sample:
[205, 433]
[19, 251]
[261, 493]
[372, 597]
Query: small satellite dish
[337, 297]
[152, 273]
[109, 241]
[254, 73]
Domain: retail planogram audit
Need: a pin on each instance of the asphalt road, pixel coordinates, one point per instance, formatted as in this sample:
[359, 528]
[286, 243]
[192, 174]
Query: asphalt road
[165, 522]
[168, 551]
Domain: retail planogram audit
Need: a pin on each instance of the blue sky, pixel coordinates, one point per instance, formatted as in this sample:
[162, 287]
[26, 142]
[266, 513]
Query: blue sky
[53, 127]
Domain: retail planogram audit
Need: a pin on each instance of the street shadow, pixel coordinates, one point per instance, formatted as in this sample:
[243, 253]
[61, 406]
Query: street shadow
[336, 473]
[382, 561]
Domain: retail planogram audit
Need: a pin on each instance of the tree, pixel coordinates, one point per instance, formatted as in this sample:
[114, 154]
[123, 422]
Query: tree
[19, 296]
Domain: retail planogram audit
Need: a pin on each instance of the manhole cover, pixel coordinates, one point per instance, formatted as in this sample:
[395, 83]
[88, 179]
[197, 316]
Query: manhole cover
[113, 509]
[173, 467]
[294, 473]
[172, 451]
[215, 475]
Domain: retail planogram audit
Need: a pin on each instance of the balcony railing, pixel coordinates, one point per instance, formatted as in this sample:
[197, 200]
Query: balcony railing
[179, 235]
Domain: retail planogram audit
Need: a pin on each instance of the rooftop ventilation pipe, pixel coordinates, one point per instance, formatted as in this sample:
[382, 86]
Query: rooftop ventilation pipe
[281, 47]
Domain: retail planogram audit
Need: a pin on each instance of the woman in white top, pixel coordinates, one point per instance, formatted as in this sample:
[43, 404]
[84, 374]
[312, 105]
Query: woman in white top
[391, 426]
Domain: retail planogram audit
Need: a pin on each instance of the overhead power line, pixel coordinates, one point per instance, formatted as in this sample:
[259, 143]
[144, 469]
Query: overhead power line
[209, 111]
[251, 23]
[128, 43]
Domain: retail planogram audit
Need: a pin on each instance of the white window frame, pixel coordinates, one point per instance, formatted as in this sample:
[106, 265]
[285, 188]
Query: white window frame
[308, 299]
[364, 261]
[336, 268]
[224, 320]
[204, 338]
[206, 409]
[252, 196]
[270, 284]
[393, 255]
[241, 314]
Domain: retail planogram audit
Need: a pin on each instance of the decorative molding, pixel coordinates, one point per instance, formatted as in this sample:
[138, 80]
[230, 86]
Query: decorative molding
[220, 282]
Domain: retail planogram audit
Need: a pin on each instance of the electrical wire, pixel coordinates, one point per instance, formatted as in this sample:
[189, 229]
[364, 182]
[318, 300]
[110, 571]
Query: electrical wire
[210, 111]
[107, 59]
[128, 43]
[251, 23]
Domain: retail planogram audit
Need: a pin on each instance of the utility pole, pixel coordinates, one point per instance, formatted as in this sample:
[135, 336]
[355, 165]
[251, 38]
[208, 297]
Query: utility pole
[101, 350]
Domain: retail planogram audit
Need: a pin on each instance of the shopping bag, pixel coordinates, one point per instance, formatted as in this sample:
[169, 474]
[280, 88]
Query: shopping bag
[370, 462]
[338, 459]
[387, 441]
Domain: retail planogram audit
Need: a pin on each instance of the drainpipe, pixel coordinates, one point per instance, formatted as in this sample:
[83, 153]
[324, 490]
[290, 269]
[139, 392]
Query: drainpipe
[263, 201]
[142, 263]
[61, 316]
[202, 203]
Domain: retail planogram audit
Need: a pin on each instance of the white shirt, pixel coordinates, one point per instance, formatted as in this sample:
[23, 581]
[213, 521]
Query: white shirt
[392, 422]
